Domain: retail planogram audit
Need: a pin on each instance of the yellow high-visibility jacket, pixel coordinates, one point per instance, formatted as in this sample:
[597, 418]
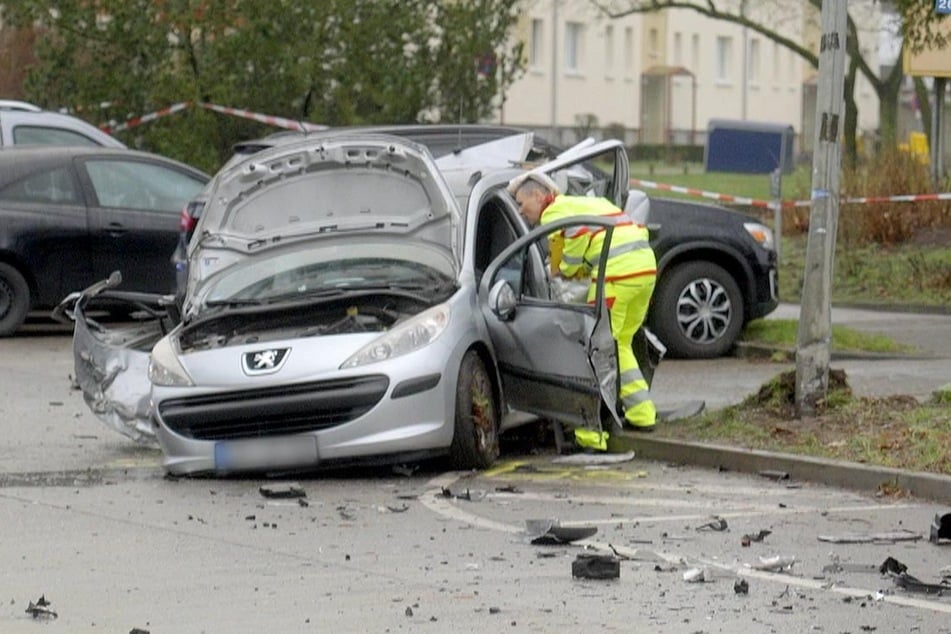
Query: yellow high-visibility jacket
[630, 256]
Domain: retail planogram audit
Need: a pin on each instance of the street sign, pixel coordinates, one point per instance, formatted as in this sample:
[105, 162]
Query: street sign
[942, 6]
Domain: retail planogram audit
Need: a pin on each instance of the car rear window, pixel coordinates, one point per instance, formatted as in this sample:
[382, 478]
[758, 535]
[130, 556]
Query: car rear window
[43, 135]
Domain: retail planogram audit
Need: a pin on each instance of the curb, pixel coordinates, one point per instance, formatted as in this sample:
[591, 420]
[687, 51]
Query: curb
[750, 350]
[838, 473]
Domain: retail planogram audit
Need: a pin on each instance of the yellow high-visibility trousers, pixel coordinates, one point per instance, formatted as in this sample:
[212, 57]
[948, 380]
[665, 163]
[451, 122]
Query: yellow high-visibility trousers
[628, 301]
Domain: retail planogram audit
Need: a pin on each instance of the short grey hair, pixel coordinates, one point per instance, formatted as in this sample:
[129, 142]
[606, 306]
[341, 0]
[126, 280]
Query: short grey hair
[534, 181]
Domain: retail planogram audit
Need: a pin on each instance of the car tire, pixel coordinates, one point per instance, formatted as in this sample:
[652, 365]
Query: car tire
[475, 440]
[698, 311]
[14, 299]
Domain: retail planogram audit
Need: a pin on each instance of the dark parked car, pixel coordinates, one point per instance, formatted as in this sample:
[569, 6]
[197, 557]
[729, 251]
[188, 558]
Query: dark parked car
[716, 267]
[71, 215]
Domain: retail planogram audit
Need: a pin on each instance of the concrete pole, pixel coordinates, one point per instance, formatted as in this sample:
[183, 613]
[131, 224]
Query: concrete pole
[815, 318]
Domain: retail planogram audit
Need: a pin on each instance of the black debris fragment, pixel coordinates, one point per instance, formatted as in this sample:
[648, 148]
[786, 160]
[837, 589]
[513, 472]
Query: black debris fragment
[409, 611]
[716, 524]
[741, 586]
[892, 566]
[494, 610]
[286, 490]
[940, 528]
[511, 488]
[914, 584]
[138, 630]
[302, 502]
[397, 509]
[774, 475]
[755, 537]
[467, 496]
[590, 566]
[41, 609]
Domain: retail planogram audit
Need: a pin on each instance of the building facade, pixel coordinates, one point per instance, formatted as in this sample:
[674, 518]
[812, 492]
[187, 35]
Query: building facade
[662, 77]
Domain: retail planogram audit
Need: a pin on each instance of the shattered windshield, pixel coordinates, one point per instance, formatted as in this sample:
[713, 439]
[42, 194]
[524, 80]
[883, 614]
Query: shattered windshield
[297, 276]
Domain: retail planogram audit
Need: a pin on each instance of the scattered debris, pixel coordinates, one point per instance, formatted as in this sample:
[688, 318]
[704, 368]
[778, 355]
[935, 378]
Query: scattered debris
[755, 537]
[41, 609]
[620, 556]
[589, 566]
[777, 563]
[494, 610]
[774, 475]
[892, 566]
[914, 584]
[405, 470]
[741, 586]
[345, 513]
[469, 496]
[871, 538]
[511, 488]
[397, 509]
[409, 611]
[138, 630]
[550, 532]
[945, 573]
[595, 458]
[695, 575]
[941, 528]
[716, 524]
[283, 490]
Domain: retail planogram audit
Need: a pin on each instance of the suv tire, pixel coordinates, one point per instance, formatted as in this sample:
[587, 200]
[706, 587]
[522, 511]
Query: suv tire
[698, 311]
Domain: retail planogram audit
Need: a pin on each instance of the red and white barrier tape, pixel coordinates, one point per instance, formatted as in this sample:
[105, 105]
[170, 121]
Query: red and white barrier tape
[766, 204]
[152, 116]
[279, 122]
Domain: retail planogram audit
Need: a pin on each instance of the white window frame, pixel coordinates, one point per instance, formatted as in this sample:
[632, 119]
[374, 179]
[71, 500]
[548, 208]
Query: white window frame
[574, 47]
[724, 59]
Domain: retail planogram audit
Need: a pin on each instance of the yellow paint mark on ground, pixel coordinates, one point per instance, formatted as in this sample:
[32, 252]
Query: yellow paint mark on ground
[543, 471]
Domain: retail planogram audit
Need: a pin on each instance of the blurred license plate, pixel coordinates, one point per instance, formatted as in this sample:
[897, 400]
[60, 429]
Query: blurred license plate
[266, 453]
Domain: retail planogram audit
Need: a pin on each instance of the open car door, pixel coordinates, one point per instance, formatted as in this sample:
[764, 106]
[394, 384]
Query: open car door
[555, 354]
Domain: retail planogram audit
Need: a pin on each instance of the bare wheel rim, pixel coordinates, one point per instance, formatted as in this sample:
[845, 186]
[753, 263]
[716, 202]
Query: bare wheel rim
[704, 311]
[483, 415]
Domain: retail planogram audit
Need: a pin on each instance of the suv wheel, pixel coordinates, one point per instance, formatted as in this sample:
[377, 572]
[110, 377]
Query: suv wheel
[698, 310]
[14, 299]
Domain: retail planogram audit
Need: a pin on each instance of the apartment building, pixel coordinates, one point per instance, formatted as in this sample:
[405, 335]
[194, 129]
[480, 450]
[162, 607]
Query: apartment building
[661, 77]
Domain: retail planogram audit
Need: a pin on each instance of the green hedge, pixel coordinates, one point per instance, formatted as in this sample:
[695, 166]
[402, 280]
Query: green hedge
[666, 153]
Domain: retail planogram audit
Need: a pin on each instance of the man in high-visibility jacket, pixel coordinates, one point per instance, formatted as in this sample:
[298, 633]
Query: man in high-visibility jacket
[629, 280]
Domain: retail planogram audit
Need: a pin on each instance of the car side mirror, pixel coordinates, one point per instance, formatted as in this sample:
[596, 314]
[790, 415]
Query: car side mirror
[502, 300]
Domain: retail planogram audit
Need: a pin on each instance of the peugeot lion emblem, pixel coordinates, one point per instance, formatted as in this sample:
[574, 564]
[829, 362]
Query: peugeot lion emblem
[264, 361]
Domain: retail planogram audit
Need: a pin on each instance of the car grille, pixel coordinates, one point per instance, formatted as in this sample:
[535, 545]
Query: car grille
[286, 409]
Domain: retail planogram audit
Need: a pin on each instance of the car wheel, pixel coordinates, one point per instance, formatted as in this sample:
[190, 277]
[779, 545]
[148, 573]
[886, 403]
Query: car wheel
[698, 311]
[14, 299]
[475, 441]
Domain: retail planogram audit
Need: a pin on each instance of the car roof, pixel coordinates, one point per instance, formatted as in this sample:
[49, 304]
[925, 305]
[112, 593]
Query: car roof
[20, 159]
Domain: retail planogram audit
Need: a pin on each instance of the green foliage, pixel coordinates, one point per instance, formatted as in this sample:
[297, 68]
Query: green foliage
[784, 332]
[363, 62]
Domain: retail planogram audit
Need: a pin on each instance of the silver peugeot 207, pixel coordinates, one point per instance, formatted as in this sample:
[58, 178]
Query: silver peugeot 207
[341, 306]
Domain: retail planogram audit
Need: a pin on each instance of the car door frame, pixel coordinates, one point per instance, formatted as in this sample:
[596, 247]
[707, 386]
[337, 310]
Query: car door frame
[553, 383]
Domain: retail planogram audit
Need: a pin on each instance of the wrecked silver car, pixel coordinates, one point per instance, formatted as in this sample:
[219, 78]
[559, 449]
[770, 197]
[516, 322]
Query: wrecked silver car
[341, 306]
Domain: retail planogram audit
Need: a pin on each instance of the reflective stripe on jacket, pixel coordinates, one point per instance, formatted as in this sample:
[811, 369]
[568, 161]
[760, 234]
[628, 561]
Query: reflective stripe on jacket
[631, 254]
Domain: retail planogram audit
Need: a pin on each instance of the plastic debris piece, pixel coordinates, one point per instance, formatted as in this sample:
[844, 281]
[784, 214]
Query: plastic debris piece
[940, 528]
[914, 584]
[741, 586]
[511, 488]
[716, 524]
[595, 458]
[757, 537]
[776, 563]
[695, 575]
[284, 490]
[550, 532]
[138, 630]
[41, 609]
[870, 538]
[774, 475]
[589, 566]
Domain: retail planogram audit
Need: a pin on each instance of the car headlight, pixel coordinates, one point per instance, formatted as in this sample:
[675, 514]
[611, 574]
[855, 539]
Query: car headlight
[407, 337]
[761, 233]
[165, 368]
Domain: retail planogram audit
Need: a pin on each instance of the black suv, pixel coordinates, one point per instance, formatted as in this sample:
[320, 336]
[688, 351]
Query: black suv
[716, 267]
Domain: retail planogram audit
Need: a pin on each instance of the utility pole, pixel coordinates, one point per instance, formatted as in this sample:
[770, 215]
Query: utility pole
[815, 318]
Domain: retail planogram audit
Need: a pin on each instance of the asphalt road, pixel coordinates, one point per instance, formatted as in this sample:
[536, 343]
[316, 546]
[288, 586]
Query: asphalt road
[91, 524]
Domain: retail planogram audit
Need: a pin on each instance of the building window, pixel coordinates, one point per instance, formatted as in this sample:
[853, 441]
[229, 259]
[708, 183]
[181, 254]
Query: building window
[652, 51]
[678, 49]
[573, 46]
[628, 50]
[695, 53]
[609, 49]
[537, 49]
[724, 58]
[754, 72]
[776, 51]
